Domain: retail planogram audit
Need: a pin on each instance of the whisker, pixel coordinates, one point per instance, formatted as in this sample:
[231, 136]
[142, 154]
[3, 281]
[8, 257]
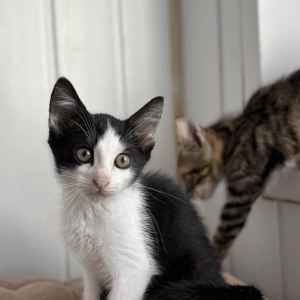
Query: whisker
[153, 196]
[149, 217]
[67, 184]
[164, 193]
[67, 196]
[67, 199]
[75, 203]
[158, 230]
[71, 174]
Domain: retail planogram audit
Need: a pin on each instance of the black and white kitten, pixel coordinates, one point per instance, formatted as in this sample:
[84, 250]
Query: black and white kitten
[136, 235]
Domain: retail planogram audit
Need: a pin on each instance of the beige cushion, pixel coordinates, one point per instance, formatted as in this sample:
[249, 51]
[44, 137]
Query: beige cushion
[46, 289]
[40, 289]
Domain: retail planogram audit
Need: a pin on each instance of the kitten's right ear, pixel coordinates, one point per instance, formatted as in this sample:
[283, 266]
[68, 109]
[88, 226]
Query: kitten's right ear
[143, 124]
[65, 107]
[190, 135]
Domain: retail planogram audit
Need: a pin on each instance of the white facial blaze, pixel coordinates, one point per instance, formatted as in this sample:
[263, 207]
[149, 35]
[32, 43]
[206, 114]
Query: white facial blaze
[105, 153]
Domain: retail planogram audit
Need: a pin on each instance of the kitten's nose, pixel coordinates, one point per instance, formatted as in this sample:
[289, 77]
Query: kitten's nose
[102, 178]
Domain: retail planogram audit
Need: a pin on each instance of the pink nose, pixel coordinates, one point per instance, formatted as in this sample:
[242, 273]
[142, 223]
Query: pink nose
[102, 178]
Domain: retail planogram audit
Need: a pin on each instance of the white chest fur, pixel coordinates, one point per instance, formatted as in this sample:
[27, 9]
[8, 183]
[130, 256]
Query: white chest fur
[110, 239]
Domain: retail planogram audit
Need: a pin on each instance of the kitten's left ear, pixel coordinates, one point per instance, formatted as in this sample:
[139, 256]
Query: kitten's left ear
[65, 107]
[143, 123]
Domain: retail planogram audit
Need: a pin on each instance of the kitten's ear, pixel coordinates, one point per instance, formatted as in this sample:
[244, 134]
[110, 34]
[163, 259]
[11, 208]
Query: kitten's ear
[143, 123]
[65, 107]
[190, 135]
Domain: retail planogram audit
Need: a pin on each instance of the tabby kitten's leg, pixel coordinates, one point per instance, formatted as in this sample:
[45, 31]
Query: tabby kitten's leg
[234, 215]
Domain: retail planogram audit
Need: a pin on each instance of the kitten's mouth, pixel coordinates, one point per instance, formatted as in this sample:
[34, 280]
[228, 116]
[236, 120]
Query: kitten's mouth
[95, 191]
[99, 192]
[99, 189]
[95, 194]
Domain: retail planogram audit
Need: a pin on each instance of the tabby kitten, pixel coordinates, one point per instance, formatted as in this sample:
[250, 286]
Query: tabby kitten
[136, 235]
[245, 150]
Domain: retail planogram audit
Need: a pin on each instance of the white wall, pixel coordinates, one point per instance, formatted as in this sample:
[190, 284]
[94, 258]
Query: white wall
[117, 57]
[29, 239]
[279, 31]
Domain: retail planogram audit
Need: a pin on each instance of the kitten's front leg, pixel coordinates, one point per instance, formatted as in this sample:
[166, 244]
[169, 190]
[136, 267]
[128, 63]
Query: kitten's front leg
[234, 215]
[92, 287]
[129, 286]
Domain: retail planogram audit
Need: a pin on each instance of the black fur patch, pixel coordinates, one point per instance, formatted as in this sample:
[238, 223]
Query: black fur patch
[202, 290]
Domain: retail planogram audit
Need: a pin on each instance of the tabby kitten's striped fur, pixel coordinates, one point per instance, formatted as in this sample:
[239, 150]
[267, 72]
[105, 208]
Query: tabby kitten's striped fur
[244, 149]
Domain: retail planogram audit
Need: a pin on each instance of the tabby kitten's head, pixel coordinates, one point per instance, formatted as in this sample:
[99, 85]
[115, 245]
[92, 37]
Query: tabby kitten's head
[199, 166]
[97, 155]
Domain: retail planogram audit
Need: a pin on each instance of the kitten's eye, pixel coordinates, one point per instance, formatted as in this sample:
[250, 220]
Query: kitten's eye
[122, 161]
[84, 155]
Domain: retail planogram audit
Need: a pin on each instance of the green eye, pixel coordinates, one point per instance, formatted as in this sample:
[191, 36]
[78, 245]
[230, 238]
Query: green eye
[84, 155]
[122, 161]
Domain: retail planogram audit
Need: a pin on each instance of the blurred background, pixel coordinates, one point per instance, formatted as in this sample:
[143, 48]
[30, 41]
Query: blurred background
[206, 57]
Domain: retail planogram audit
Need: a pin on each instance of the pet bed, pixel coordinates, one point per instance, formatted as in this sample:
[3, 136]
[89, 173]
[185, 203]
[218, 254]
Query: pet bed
[47, 289]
